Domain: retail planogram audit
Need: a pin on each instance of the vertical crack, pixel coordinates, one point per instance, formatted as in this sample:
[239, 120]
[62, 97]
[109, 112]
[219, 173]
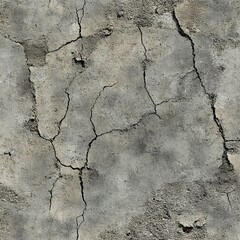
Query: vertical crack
[85, 166]
[51, 191]
[93, 106]
[34, 111]
[229, 201]
[79, 22]
[144, 66]
[79, 19]
[226, 165]
[64, 116]
[85, 206]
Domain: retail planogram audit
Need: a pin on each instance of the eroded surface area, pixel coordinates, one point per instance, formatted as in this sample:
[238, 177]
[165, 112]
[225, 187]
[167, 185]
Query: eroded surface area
[120, 120]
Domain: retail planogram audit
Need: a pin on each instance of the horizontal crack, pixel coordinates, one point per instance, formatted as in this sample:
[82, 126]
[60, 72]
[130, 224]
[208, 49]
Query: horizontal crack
[232, 140]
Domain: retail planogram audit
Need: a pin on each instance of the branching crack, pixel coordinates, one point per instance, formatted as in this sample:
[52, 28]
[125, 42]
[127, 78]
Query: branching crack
[79, 22]
[144, 66]
[93, 106]
[33, 92]
[97, 136]
[212, 98]
[85, 166]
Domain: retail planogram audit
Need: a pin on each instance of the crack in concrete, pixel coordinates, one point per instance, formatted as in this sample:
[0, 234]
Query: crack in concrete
[232, 140]
[85, 166]
[51, 191]
[97, 136]
[79, 22]
[226, 165]
[33, 91]
[229, 201]
[144, 66]
[64, 116]
[93, 106]
[170, 100]
[85, 206]
[6, 153]
[176, 99]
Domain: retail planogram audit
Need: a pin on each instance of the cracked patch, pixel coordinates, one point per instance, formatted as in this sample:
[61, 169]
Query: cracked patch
[119, 119]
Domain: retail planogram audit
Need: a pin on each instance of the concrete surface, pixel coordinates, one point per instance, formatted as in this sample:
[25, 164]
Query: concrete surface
[119, 120]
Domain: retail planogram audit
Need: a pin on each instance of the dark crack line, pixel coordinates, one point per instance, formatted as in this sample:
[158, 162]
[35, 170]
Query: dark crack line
[93, 106]
[85, 207]
[174, 100]
[64, 116]
[79, 22]
[229, 201]
[225, 160]
[142, 42]
[59, 161]
[34, 110]
[6, 154]
[65, 44]
[232, 140]
[51, 191]
[33, 92]
[54, 149]
[132, 126]
[85, 166]
[144, 66]
[121, 130]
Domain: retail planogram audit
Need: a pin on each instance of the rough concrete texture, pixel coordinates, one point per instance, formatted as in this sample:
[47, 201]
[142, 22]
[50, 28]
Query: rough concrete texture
[119, 120]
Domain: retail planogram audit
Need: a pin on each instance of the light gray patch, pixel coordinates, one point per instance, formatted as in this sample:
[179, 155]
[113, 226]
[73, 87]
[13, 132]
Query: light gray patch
[177, 211]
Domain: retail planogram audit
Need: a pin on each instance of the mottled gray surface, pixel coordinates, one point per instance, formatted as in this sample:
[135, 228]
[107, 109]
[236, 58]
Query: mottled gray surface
[119, 120]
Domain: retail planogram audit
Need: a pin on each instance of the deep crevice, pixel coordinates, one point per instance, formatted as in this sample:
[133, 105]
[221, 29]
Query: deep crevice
[226, 165]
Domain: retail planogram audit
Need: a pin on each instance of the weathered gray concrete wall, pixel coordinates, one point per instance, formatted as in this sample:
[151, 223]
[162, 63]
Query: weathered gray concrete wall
[119, 119]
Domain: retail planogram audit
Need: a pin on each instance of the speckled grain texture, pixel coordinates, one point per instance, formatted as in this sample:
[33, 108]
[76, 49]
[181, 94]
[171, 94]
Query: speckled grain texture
[119, 120]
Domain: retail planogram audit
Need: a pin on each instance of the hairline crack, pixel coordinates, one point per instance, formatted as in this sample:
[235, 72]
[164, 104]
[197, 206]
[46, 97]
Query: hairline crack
[144, 67]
